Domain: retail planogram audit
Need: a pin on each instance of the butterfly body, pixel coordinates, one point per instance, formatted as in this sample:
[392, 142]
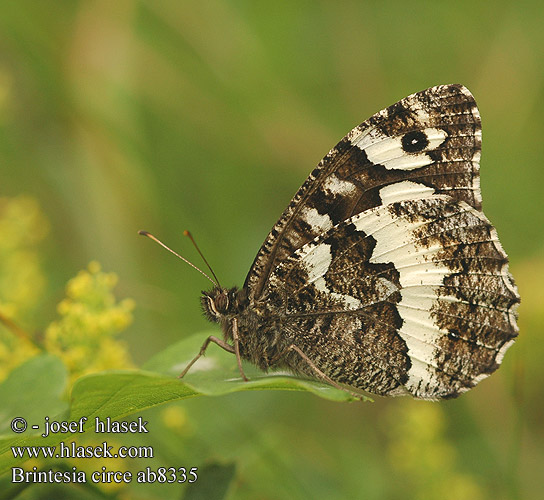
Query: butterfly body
[383, 274]
[259, 336]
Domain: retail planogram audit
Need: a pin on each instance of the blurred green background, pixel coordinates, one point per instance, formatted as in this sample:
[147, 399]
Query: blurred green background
[208, 115]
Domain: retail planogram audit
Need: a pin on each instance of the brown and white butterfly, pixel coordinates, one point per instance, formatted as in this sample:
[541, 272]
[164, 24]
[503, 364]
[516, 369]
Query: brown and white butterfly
[383, 274]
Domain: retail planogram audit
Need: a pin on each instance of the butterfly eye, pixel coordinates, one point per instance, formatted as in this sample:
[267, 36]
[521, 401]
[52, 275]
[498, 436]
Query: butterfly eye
[415, 141]
[222, 303]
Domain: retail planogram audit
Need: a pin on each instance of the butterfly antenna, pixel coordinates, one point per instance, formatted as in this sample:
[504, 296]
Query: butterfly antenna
[187, 233]
[149, 235]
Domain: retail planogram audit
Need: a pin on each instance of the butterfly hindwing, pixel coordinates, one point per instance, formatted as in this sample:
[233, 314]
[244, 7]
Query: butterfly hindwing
[415, 294]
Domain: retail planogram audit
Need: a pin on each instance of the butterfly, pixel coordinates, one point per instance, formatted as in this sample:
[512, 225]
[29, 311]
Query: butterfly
[382, 274]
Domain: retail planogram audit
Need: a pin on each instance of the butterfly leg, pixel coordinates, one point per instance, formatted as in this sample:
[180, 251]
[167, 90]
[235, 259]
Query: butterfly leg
[221, 343]
[237, 348]
[311, 364]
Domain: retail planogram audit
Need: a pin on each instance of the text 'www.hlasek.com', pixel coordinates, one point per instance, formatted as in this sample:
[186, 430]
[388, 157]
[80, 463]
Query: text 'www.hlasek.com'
[68, 449]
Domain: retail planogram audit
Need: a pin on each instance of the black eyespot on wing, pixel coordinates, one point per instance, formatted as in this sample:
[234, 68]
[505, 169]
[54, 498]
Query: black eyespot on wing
[414, 142]
[346, 182]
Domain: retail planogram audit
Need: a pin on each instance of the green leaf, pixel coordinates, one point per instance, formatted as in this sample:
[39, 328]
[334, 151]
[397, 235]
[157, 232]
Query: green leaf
[31, 391]
[116, 394]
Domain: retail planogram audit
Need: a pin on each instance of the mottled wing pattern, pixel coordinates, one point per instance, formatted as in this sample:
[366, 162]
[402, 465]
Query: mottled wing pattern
[383, 263]
[412, 296]
[369, 164]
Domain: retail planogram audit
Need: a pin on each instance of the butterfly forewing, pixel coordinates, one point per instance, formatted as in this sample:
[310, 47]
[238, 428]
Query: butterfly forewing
[428, 141]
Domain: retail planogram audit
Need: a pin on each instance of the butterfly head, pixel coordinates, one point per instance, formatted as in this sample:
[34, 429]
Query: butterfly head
[219, 303]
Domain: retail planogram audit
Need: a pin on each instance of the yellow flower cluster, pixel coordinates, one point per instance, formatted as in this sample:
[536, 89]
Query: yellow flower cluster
[90, 318]
[90, 315]
[421, 454]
